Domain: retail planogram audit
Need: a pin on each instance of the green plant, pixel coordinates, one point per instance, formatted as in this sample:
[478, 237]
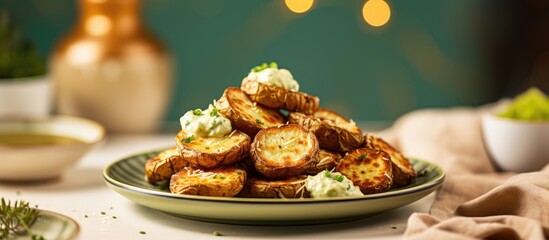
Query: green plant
[18, 56]
[16, 218]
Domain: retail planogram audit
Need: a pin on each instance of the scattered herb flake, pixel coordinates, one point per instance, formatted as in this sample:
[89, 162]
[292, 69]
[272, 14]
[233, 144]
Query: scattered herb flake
[142, 232]
[361, 157]
[216, 233]
[114, 217]
[394, 227]
[188, 139]
[86, 216]
[258, 121]
[103, 213]
[338, 178]
[327, 174]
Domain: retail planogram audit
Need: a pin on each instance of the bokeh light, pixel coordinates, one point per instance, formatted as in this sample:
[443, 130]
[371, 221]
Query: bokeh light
[299, 6]
[376, 12]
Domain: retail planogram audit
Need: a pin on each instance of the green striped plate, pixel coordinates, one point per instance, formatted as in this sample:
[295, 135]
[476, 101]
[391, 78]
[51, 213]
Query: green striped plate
[126, 176]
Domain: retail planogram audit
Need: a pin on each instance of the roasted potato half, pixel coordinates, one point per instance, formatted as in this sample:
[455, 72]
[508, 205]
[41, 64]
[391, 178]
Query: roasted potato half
[369, 169]
[162, 166]
[284, 152]
[327, 160]
[287, 188]
[403, 171]
[333, 131]
[246, 115]
[213, 152]
[223, 182]
[277, 97]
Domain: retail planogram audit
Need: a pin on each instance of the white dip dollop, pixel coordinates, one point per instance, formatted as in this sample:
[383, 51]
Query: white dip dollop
[271, 75]
[205, 123]
[331, 184]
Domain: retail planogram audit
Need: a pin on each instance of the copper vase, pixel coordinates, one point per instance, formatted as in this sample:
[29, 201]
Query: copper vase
[111, 69]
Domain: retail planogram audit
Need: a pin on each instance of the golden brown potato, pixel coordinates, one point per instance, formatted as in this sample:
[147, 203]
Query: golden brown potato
[334, 132]
[223, 182]
[403, 171]
[277, 97]
[287, 188]
[246, 115]
[285, 151]
[213, 152]
[369, 169]
[162, 166]
[327, 160]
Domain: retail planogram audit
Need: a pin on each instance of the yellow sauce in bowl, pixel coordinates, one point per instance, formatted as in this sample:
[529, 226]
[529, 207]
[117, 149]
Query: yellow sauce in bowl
[34, 139]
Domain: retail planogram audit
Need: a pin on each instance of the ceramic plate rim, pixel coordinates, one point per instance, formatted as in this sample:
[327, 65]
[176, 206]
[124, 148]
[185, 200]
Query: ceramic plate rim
[432, 183]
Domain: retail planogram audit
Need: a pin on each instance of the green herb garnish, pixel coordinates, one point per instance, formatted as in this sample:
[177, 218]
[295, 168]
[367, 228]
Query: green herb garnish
[188, 139]
[16, 218]
[361, 157]
[327, 174]
[214, 112]
[142, 232]
[264, 66]
[114, 217]
[216, 233]
[103, 213]
[339, 178]
[258, 121]
[197, 112]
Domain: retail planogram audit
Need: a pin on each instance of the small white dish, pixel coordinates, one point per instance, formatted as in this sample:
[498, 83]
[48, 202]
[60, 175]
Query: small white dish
[515, 145]
[25, 157]
[52, 225]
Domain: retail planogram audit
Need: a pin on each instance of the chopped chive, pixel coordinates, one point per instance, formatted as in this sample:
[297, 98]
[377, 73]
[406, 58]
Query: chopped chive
[103, 213]
[214, 112]
[216, 233]
[188, 139]
[114, 217]
[258, 121]
[142, 232]
[187, 123]
[327, 174]
[361, 157]
[197, 112]
[338, 178]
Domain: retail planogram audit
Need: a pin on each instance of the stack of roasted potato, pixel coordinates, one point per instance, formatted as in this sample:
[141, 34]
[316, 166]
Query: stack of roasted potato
[270, 154]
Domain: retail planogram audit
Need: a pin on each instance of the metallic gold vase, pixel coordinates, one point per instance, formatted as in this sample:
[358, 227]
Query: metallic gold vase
[110, 69]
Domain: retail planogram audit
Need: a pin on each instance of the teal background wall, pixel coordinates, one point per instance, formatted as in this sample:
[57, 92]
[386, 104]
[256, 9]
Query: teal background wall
[430, 54]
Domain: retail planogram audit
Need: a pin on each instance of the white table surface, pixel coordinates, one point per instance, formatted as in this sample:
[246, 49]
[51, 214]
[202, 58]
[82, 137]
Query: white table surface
[82, 191]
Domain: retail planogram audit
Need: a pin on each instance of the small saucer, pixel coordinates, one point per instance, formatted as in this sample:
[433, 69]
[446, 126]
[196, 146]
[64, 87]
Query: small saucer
[52, 225]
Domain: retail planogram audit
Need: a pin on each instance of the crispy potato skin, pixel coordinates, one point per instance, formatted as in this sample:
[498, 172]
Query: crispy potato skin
[403, 171]
[162, 166]
[327, 160]
[331, 135]
[246, 115]
[235, 147]
[265, 188]
[284, 152]
[369, 169]
[222, 182]
[277, 97]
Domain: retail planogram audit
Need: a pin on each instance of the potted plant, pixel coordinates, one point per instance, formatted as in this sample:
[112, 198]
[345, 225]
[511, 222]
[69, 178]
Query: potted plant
[24, 87]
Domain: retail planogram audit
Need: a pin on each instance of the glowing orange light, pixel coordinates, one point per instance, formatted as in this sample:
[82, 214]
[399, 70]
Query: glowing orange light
[98, 25]
[376, 12]
[299, 6]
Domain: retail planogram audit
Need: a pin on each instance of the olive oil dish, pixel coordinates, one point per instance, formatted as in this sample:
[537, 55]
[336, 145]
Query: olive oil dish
[268, 139]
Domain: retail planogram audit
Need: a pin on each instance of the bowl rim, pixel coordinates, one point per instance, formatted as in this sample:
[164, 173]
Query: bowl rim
[49, 119]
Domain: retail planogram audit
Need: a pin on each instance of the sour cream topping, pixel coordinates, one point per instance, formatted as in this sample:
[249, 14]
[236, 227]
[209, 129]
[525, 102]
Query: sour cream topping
[205, 123]
[273, 76]
[331, 184]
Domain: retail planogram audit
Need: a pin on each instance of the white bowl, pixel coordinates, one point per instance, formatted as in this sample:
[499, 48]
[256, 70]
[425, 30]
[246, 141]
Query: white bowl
[515, 145]
[42, 161]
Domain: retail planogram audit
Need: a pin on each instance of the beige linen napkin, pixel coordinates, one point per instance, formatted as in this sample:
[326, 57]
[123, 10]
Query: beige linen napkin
[475, 201]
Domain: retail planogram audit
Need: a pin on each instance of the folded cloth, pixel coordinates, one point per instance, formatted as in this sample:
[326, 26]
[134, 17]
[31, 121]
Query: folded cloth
[475, 201]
